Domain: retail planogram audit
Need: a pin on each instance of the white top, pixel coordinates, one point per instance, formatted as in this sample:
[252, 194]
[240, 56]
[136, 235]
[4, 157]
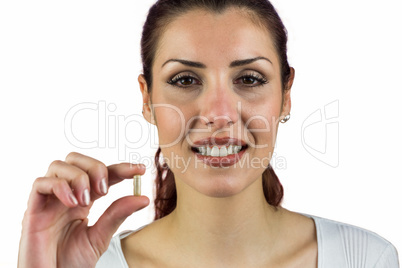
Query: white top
[339, 246]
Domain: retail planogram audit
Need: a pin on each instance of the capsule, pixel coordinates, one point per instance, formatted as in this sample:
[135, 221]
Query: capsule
[137, 185]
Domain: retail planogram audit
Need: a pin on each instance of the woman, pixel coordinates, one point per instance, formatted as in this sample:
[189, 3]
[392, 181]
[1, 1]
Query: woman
[216, 83]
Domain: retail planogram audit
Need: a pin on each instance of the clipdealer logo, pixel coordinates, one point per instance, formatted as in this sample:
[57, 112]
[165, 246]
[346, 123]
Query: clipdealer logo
[320, 134]
[319, 131]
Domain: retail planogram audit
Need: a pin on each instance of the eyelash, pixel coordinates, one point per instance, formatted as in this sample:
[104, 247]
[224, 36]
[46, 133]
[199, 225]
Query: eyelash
[173, 81]
[259, 78]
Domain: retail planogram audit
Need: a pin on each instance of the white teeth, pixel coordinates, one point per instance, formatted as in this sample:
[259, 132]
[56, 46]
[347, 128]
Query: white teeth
[223, 152]
[203, 150]
[230, 149]
[215, 151]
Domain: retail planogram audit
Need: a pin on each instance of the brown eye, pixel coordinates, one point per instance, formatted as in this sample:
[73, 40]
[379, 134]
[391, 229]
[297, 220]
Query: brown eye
[186, 81]
[248, 80]
[251, 80]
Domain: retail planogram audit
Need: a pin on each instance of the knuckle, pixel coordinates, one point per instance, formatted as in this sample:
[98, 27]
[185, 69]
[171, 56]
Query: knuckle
[100, 167]
[38, 180]
[57, 184]
[55, 163]
[59, 181]
[60, 185]
[82, 177]
[71, 156]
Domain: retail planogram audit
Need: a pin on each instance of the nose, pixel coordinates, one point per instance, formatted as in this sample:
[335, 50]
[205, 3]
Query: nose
[219, 107]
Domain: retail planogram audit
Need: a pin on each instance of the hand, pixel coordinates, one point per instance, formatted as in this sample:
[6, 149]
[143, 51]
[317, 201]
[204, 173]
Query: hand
[55, 231]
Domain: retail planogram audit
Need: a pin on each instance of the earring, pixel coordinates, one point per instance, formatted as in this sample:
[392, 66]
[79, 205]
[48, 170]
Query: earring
[284, 120]
[143, 108]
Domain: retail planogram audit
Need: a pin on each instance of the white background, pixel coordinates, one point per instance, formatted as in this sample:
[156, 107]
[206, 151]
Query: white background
[57, 54]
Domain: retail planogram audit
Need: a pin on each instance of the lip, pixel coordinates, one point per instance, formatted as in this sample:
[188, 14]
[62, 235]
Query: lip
[222, 162]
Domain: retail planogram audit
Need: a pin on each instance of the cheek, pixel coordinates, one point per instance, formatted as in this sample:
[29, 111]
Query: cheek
[171, 125]
[261, 124]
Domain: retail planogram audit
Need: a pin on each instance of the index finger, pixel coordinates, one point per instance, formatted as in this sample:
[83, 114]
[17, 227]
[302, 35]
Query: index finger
[95, 169]
[119, 172]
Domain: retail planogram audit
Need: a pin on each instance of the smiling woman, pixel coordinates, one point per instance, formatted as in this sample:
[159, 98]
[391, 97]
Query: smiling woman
[223, 65]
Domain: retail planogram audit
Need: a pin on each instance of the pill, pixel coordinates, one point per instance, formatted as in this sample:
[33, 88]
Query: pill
[137, 185]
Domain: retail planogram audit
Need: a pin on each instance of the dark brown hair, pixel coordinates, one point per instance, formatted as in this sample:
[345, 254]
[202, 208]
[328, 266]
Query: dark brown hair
[160, 15]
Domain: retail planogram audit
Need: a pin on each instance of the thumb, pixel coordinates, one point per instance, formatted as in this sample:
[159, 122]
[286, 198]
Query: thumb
[102, 232]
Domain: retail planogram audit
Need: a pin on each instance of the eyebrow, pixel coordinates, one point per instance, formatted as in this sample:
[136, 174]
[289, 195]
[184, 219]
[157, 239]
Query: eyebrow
[233, 64]
[238, 63]
[187, 63]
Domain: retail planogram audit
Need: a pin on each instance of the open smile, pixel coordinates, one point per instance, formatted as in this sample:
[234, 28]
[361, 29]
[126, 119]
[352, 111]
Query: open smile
[219, 152]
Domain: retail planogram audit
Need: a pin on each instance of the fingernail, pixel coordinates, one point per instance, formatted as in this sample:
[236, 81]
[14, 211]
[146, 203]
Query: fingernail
[73, 199]
[86, 197]
[141, 166]
[103, 186]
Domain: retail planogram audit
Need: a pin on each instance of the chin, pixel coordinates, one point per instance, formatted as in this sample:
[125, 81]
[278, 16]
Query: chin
[221, 187]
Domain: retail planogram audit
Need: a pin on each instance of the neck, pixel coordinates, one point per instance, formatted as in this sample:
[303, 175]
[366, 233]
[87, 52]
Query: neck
[224, 227]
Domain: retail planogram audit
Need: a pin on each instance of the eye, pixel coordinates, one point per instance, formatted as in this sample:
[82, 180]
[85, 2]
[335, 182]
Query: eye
[251, 80]
[184, 80]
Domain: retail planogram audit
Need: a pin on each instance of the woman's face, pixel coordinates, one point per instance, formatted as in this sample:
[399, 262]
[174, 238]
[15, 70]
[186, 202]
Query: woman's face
[216, 82]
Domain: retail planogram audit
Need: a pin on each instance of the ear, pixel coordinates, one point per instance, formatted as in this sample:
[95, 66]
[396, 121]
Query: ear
[146, 100]
[287, 103]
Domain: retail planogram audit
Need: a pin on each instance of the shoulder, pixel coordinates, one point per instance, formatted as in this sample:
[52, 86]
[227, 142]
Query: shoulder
[347, 245]
[113, 256]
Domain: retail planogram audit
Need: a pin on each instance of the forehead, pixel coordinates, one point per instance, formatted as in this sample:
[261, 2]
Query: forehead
[212, 38]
